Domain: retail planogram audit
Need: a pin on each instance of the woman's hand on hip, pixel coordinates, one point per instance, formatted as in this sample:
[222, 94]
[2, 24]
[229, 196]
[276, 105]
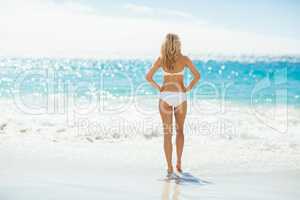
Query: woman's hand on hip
[161, 88]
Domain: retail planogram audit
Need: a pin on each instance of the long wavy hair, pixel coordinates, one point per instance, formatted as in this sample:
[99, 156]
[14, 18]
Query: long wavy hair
[170, 50]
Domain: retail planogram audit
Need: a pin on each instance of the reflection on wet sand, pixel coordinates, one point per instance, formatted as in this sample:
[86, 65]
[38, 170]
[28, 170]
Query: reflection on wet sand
[170, 194]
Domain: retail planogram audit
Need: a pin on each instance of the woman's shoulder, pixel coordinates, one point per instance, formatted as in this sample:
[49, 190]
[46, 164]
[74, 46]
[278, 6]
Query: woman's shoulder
[158, 60]
[185, 58]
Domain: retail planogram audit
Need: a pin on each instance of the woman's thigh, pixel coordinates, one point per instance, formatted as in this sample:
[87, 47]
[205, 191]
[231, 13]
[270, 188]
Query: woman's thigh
[180, 113]
[166, 112]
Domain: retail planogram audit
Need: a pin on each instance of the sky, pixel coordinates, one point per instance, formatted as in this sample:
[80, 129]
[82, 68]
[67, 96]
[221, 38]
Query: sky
[121, 28]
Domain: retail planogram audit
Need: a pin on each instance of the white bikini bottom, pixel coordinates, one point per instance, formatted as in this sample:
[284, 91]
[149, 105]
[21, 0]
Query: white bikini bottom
[173, 98]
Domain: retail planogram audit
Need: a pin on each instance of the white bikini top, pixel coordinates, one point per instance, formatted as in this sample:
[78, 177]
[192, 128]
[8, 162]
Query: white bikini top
[173, 74]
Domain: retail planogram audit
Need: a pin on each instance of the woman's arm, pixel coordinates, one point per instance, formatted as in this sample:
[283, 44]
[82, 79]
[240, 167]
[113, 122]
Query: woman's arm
[153, 69]
[195, 73]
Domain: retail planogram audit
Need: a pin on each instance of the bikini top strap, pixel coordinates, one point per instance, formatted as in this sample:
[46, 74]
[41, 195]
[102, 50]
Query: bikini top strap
[175, 73]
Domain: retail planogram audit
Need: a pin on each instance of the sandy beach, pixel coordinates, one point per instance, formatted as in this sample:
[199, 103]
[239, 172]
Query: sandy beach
[32, 168]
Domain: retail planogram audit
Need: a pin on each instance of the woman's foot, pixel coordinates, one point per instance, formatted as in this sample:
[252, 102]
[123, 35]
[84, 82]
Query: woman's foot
[170, 170]
[172, 176]
[178, 167]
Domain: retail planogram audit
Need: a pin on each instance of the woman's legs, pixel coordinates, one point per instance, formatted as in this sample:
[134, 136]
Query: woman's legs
[180, 112]
[166, 113]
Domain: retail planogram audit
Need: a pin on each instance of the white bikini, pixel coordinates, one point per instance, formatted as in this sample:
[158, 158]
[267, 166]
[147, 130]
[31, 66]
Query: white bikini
[173, 98]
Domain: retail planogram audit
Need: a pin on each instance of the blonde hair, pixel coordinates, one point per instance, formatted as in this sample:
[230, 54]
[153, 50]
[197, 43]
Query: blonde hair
[170, 50]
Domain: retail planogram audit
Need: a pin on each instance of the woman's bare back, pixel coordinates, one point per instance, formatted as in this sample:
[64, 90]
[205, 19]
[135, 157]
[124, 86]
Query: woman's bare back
[174, 82]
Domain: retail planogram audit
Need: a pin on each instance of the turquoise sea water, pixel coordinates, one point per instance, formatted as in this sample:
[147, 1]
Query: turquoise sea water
[260, 81]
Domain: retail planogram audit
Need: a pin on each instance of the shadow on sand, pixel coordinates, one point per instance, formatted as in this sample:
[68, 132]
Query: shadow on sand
[172, 188]
[187, 178]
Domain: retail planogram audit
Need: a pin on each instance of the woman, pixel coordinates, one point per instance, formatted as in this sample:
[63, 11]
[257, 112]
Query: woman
[172, 98]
